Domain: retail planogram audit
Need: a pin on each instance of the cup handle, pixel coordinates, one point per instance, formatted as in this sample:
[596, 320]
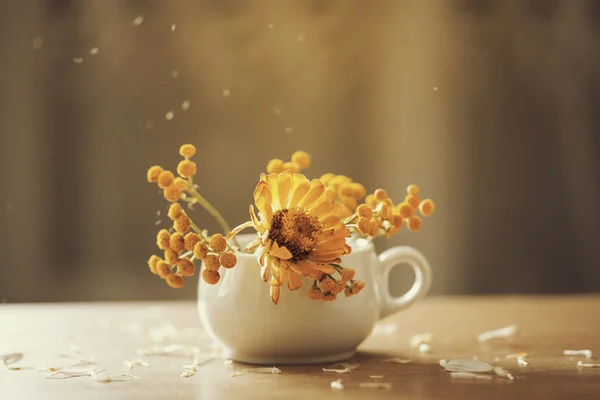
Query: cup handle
[388, 260]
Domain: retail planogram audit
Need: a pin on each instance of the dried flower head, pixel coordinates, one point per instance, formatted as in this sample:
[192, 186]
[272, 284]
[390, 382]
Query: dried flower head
[364, 225]
[357, 286]
[339, 287]
[405, 210]
[200, 250]
[218, 243]
[175, 281]
[348, 274]
[210, 277]
[176, 242]
[212, 262]
[371, 200]
[175, 211]
[182, 224]
[412, 189]
[228, 260]
[364, 210]
[191, 239]
[171, 257]
[328, 296]
[162, 239]
[412, 200]
[327, 284]
[181, 183]
[186, 168]
[380, 194]
[173, 193]
[427, 207]
[302, 159]
[163, 269]
[187, 150]
[152, 261]
[186, 267]
[165, 179]
[414, 223]
[153, 173]
[275, 166]
[348, 291]
[315, 293]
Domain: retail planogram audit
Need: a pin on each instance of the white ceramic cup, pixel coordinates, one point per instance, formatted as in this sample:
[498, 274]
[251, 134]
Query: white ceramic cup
[237, 312]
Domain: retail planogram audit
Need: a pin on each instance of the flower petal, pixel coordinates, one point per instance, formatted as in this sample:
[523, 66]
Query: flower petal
[257, 225]
[321, 206]
[280, 252]
[298, 192]
[273, 186]
[284, 182]
[275, 294]
[316, 190]
[294, 281]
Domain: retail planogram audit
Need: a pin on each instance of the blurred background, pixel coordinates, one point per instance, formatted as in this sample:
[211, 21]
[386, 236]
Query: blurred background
[491, 107]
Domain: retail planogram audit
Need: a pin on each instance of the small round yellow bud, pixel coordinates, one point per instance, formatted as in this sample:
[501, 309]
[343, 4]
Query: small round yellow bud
[392, 230]
[175, 281]
[412, 189]
[347, 291]
[181, 183]
[339, 180]
[177, 242]
[364, 211]
[210, 277]
[186, 168]
[364, 225]
[173, 193]
[380, 194]
[346, 190]
[200, 250]
[405, 210]
[348, 274]
[357, 286]
[165, 179]
[153, 173]
[302, 159]
[190, 241]
[330, 194]
[175, 211]
[186, 267]
[371, 201]
[275, 166]
[412, 200]
[359, 190]
[291, 166]
[187, 150]
[427, 207]
[326, 178]
[327, 284]
[414, 223]
[385, 211]
[228, 260]
[375, 227]
[315, 294]
[162, 239]
[152, 261]
[218, 243]
[182, 223]
[328, 296]
[339, 287]
[171, 257]
[349, 202]
[211, 262]
[397, 220]
[163, 269]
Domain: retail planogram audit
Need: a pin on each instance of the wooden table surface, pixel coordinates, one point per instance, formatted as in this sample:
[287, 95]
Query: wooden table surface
[111, 333]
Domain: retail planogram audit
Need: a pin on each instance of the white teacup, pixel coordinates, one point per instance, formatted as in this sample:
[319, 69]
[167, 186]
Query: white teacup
[238, 313]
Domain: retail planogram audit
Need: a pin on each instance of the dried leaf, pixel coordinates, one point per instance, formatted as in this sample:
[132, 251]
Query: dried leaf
[503, 373]
[580, 364]
[375, 385]
[337, 384]
[465, 365]
[470, 376]
[505, 332]
[587, 353]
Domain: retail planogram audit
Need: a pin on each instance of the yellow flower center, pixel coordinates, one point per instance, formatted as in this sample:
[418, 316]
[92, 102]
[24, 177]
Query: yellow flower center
[296, 231]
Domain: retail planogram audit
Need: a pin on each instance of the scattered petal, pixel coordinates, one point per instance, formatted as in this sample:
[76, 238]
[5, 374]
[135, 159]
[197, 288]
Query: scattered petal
[138, 21]
[416, 340]
[522, 361]
[587, 353]
[94, 51]
[262, 370]
[19, 368]
[376, 376]
[465, 365]
[375, 385]
[470, 376]
[238, 373]
[337, 384]
[134, 363]
[170, 350]
[78, 60]
[10, 358]
[346, 367]
[185, 105]
[226, 92]
[384, 329]
[169, 115]
[173, 28]
[501, 372]
[398, 360]
[505, 332]
[424, 348]
[516, 355]
[580, 364]
[188, 373]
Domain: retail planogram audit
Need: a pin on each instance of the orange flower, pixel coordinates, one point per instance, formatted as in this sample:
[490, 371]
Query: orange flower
[300, 230]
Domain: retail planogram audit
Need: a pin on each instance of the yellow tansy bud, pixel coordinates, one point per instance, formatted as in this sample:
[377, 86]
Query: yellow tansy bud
[364, 211]
[211, 262]
[338, 180]
[182, 183]
[405, 210]
[171, 257]
[218, 243]
[346, 190]
[327, 284]
[173, 193]
[291, 166]
[328, 296]
[186, 168]
[315, 294]
[182, 223]
[414, 223]
[348, 274]
[186, 267]
[349, 202]
[330, 194]
[357, 286]
[364, 225]
[275, 166]
[152, 261]
[228, 260]
[210, 277]
[397, 220]
[200, 250]
[339, 287]
[162, 239]
[412, 200]
[371, 200]
[176, 242]
[427, 207]
[191, 239]
[153, 173]
[187, 150]
[347, 291]
[163, 269]
[385, 211]
[359, 190]
[302, 159]
[165, 179]
[175, 211]
[412, 189]
[175, 281]
[392, 231]
[375, 226]
[326, 178]
[381, 194]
